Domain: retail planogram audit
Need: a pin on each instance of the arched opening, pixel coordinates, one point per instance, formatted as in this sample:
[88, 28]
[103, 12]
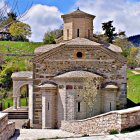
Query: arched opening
[24, 98]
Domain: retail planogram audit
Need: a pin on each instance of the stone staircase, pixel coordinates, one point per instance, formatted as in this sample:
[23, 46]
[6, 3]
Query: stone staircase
[18, 115]
[21, 113]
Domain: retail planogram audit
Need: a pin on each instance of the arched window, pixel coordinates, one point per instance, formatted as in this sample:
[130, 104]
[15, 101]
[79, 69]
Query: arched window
[78, 32]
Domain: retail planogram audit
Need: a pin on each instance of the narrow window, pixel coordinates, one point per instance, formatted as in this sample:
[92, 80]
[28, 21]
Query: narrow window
[48, 106]
[88, 33]
[78, 32]
[67, 33]
[78, 106]
[110, 106]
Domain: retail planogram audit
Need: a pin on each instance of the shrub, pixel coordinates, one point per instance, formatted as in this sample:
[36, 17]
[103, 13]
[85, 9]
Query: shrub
[85, 135]
[113, 131]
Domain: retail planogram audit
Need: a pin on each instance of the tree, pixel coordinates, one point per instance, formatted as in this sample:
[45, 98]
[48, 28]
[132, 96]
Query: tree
[89, 93]
[12, 15]
[20, 29]
[109, 31]
[49, 38]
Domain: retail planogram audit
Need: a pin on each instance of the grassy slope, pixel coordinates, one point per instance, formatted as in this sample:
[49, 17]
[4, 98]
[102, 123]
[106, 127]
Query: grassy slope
[9, 47]
[133, 87]
[13, 46]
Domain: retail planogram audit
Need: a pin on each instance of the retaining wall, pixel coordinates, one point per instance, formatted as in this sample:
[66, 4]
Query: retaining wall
[7, 128]
[102, 124]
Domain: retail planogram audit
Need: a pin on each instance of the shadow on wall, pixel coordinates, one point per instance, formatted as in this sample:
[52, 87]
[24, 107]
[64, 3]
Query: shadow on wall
[131, 103]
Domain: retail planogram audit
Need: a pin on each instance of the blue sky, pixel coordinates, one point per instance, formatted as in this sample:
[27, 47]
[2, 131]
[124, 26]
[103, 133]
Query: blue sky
[63, 5]
[45, 15]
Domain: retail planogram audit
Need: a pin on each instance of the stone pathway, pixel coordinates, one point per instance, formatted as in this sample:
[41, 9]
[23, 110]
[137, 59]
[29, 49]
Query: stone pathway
[19, 122]
[34, 134]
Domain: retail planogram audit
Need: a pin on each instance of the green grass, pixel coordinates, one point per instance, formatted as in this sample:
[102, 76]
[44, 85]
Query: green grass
[133, 87]
[7, 100]
[11, 47]
[16, 47]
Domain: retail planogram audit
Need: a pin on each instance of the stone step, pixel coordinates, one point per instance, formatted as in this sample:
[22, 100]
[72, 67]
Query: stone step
[17, 115]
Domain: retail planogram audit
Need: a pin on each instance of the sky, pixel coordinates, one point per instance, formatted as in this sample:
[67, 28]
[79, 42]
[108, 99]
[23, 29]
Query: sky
[45, 15]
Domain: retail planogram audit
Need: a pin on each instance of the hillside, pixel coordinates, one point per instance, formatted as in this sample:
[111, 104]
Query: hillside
[17, 48]
[135, 40]
[133, 87]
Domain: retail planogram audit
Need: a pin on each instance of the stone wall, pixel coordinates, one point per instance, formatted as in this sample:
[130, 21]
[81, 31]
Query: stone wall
[7, 129]
[101, 124]
[97, 59]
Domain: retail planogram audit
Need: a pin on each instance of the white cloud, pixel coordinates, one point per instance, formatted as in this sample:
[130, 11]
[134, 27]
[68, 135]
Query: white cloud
[125, 14]
[4, 8]
[42, 18]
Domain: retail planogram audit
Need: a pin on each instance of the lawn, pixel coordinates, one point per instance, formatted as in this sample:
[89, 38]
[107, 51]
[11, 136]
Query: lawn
[11, 47]
[16, 47]
[133, 87]
[10, 101]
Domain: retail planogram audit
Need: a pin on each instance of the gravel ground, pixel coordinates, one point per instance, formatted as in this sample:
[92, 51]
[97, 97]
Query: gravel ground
[34, 134]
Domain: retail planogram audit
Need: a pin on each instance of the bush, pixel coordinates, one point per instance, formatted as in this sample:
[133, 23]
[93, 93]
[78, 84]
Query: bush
[85, 135]
[113, 131]
[49, 38]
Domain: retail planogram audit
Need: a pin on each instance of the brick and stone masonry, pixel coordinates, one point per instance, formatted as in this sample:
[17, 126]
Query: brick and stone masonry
[102, 124]
[7, 128]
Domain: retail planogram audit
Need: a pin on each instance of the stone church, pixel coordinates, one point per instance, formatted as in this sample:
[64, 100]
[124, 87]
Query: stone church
[60, 69]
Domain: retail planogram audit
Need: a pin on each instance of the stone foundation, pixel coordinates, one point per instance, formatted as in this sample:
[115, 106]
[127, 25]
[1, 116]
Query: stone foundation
[7, 129]
[102, 124]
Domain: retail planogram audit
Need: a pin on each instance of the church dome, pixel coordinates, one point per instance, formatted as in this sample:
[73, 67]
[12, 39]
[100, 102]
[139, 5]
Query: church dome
[78, 13]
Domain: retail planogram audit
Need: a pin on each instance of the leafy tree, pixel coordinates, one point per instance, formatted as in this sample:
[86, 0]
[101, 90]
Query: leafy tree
[12, 16]
[89, 93]
[49, 38]
[109, 31]
[20, 29]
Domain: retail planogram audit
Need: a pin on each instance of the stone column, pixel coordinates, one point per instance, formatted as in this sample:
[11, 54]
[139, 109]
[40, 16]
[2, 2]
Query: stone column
[31, 104]
[14, 102]
[18, 102]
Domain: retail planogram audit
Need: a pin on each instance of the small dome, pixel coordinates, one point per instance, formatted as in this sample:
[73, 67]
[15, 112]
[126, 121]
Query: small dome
[78, 13]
